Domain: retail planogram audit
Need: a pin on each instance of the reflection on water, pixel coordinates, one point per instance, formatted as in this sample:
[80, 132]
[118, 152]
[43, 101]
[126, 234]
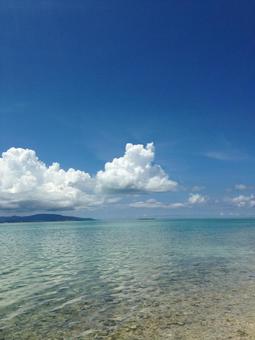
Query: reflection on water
[186, 279]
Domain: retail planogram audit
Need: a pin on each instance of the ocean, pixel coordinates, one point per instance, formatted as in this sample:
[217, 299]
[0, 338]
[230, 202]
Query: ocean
[137, 279]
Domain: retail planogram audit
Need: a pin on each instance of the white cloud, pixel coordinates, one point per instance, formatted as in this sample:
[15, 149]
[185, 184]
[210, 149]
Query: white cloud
[28, 184]
[194, 199]
[152, 203]
[233, 155]
[242, 201]
[135, 172]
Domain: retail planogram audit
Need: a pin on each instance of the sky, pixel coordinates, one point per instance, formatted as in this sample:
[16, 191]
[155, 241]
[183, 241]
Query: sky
[127, 108]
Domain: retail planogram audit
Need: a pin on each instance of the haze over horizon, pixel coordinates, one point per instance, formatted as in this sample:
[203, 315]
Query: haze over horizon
[116, 109]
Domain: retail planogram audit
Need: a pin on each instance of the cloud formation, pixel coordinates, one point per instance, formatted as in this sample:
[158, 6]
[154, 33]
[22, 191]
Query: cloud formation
[242, 201]
[194, 199]
[152, 203]
[28, 184]
[226, 155]
[240, 187]
[135, 172]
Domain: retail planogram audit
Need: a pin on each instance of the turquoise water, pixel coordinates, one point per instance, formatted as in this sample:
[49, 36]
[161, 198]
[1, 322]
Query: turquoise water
[147, 279]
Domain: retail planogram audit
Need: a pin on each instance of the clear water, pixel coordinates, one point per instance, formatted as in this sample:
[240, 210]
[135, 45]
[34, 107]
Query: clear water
[160, 279]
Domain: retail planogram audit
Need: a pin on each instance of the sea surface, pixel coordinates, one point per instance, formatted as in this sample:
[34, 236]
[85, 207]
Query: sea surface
[145, 279]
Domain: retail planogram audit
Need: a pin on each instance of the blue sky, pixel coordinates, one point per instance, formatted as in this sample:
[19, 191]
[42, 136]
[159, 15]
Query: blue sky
[80, 80]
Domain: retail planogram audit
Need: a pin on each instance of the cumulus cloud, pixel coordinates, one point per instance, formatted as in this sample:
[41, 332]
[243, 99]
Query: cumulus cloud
[135, 172]
[194, 199]
[27, 183]
[242, 201]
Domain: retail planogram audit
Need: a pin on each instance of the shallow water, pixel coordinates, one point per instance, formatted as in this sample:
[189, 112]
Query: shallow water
[158, 279]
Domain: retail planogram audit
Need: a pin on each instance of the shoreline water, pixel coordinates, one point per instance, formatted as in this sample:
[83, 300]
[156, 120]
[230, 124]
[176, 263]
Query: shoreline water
[135, 280]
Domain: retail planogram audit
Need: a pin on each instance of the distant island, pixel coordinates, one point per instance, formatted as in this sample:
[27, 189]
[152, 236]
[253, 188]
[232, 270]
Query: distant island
[41, 218]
